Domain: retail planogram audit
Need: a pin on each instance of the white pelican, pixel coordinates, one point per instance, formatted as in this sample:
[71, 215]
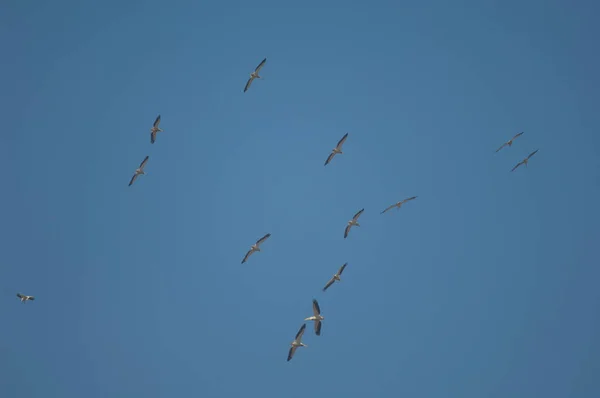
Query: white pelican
[337, 149]
[254, 75]
[25, 298]
[316, 317]
[297, 342]
[399, 204]
[155, 129]
[336, 277]
[525, 161]
[255, 247]
[353, 222]
[139, 170]
[510, 142]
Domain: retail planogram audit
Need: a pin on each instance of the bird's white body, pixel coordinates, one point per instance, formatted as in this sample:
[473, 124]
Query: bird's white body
[315, 318]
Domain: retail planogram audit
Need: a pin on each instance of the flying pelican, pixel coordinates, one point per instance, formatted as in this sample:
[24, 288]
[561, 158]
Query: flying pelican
[353, 222]
[336, 277]
[399, 204]
[316, 317]
[337, 149]
[254, 75]
[25, 298]
[525, 161]
[510, 142]
[154, 130]
[297, 342]
[255, 247]
[139, 170]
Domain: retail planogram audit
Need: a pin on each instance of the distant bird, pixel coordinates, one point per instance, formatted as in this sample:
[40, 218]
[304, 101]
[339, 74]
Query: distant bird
[254, 75]
[154, 130]
[316, 317]
[525, 161]
[337, 149]
[399, 204]
[139, 170]
[255, 247]
[297, 342]
[25, 298]
[336, 277]
[353, 222]
[509, 142]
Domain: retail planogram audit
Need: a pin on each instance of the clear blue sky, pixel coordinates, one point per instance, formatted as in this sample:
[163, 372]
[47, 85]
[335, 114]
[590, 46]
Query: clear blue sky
[484, 286]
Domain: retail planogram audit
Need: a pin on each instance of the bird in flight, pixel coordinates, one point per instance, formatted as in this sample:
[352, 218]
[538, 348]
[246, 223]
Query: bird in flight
[525, 161]
[353, 222]
[254, 75]
[139, 170]
[317, 317]
[297, 342]
[255, 247]
[399, 204]
[510, 142]
[25, 298]
[336, 277]
[155, 129]
[337, 149]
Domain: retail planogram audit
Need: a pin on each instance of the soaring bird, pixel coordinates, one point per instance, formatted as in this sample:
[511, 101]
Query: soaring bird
[336, 277]
[510, 142]
[25, 298]
[399, 204]
[525, 161]
[155, 129]
[316, 317]
[297, 342]
[337, 149]
[353, 222]
[139, 170]
[254, 75]
[255, 247]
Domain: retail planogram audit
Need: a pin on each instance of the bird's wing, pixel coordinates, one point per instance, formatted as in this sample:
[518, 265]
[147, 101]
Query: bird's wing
[316, 309]
[133, 179]
[300, 332]
[409, 199]
[19, 295]
[518, 164]
[31, 298]
[532, 153]
[261, 240]
[358, 214]
[157, 121]
[517, 135]
[329, 283]
[291, 353]
[392, 206]
[503, 145]
[318, 328]
[342, 269]
[248, 83]
[347, 230]
[331, 155]
[143, 164]
[341, 142]
[153, 136]
[259, 67]
[247, 255]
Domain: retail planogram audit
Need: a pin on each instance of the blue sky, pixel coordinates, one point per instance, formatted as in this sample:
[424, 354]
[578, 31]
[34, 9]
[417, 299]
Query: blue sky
[484, 286]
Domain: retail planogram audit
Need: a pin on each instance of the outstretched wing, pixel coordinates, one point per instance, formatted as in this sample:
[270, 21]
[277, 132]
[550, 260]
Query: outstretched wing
[518, 164]
[358, 214]
[300, 332]
[503, 145]
[292, 352]
[316, 309]
[30, 298]
[409, 199]
[156, 122]
[392, 206]
[248, 83]
[318, 328]
[347, 230]
[133, 179]
[261, 240]
[259, 67]
[19, 295]
[331, 281]
[342, 269]
[247, 255]
[341, 141]
[331, 155]
[517, 135]
[532, 153]
[153, 136]
[143, 164]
